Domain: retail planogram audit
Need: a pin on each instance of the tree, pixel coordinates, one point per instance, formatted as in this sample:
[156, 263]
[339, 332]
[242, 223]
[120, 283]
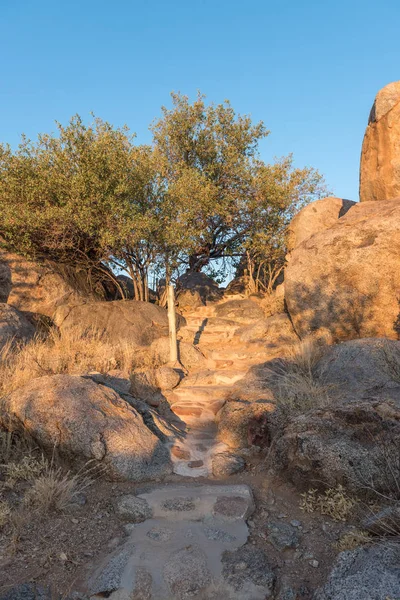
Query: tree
[206, 156]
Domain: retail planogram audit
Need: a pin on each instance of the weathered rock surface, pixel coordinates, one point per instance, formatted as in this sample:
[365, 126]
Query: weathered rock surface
[246, 567]
[133, 509]
[181, 551]
[242, 424]
[226, 463]
[242, 310]
[275, 331]
[380, 155]
[87, 421]
[137, 323]
[365, 369]
[315, 218]
[353, 444]
[196, 289]
[189, 356]
[367, 573]
[14, 325]
[43, 287]
[346, 279]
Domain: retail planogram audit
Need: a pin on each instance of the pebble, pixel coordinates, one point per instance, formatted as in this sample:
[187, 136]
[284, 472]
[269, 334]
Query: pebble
[314, 563]
[282, 516]
[63, 557]
[75, 521]
[295, 523]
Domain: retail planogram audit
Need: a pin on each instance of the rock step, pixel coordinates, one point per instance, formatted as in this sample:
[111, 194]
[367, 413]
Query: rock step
[194, 393]
[211, 377]
[179, 550]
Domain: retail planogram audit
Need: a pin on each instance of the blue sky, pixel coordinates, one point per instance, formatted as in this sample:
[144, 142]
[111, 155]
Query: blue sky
[309, 68]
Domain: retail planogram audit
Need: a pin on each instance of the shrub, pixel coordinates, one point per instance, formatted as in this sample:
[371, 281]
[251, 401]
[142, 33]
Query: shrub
[334, 502]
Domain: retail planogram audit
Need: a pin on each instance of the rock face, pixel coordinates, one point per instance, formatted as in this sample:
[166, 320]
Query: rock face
[353, 440]
[189, 356]
[40, 287]
[275, 331]
[14, 325]
[380, 155]
[138, 323]
[196, 289]
[364, 574]
[315, 218]
[87, 421]
[345, 281]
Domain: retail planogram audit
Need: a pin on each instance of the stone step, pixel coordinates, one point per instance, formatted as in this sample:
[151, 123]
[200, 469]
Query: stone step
[179, 549]
[213, 377]
[198, 393]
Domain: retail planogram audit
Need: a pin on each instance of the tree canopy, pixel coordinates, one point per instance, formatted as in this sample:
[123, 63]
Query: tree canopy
[89, 195]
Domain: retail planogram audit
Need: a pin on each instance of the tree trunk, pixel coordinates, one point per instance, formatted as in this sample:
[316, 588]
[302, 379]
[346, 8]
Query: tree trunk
[172, 325]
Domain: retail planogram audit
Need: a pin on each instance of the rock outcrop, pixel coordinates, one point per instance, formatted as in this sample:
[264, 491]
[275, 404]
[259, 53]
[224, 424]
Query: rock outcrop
[352, 440]
[196, 289]
[346, 279]
[41, 287]
[86, 421]
[14, 325]
[315, 218]
[365, 573]
[380, 155]
[138, 323]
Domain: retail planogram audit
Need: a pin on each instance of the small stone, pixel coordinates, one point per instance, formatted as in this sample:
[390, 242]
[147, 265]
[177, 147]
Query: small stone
[282, 536]
[180, 453]
[308, 555]
[282, 516]
[314, 563]
[75, 521]
[295, 523]
[226, 463]
[248, 565]
[194, 464]
[133, 509]
[63, 557]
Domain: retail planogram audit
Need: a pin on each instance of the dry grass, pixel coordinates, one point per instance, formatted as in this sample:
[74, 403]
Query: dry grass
[353, 539]
[334, 502]
[299, 385]
[55, 490]
[73, 353]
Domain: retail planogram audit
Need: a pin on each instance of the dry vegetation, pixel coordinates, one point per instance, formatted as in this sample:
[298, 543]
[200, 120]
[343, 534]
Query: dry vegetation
[74, 353]
[37, 485]
[334, 502]
[299, 385]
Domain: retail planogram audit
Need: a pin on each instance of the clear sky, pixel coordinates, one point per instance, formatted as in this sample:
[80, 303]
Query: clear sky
[309, 68]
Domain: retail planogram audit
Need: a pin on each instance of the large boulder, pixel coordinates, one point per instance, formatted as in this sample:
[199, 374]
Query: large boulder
[138, 323]
[345, 281]
[41, 287]
[316, 217]
[366, 573]
[380, 155]
[196, 289]
[365, 369]
[86, 421]
[14, 325]
[242, 424]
